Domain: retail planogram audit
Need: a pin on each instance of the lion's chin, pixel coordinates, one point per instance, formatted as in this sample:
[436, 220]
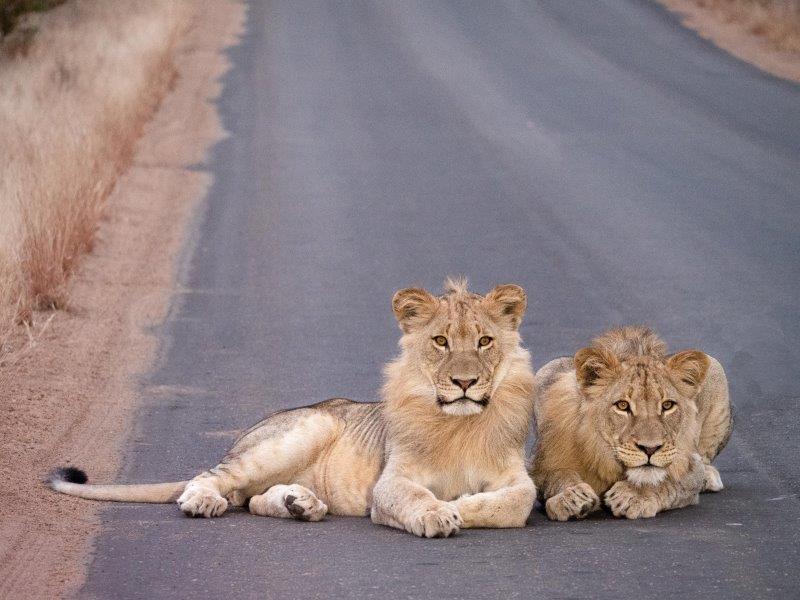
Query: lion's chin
[462, 407]
[648, 475]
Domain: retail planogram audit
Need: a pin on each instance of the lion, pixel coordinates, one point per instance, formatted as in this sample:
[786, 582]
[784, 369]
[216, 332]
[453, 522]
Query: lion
[443, 449]
[625, 421]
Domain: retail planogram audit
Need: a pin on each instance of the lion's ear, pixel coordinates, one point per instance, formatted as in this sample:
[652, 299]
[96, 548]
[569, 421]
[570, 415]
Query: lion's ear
[688, 369]
[594, 366]
[506, 305]
[413, 308]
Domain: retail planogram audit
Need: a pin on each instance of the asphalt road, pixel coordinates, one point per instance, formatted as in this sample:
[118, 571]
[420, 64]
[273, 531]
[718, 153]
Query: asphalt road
[614, 164]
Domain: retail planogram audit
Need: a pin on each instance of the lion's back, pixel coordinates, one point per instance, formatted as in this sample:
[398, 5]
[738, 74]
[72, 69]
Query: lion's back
[363, 420]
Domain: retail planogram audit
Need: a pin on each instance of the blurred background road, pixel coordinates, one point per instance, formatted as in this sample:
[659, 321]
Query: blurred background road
[616, 165]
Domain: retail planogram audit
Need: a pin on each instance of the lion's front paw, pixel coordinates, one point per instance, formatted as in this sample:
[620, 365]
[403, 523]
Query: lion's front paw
[198, 501]
[625, 500]
[712, 481]
[441, 519]
[576, 501]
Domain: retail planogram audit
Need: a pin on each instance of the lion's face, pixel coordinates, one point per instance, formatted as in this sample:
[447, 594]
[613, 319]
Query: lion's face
[644, 408]
[458, 341]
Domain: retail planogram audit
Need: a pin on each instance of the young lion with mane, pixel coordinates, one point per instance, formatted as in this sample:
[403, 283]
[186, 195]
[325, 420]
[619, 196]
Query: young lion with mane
[624, 420]
[442, 451]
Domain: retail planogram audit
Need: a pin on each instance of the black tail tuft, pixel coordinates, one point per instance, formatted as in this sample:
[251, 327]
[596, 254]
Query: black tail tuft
[70, 475]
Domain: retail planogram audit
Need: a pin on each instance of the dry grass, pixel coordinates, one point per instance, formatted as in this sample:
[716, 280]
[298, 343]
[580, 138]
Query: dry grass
[72, 106]
[11, 11]
[777, 21]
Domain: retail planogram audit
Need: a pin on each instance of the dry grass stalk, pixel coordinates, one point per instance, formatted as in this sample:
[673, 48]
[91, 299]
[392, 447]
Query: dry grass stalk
[71, 109]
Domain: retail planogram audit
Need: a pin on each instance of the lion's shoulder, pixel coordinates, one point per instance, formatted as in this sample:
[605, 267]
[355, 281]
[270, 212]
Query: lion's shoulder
[552, 371]
[554, 382]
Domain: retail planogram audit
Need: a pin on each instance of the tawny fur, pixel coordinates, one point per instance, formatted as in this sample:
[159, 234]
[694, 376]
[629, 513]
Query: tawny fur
[443, 450]
[587, 448]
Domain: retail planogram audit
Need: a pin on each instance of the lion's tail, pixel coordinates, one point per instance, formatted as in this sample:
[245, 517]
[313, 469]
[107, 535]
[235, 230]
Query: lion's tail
[72, 481]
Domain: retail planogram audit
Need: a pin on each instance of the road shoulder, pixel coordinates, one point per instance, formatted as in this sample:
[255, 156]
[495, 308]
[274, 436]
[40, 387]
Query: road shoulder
[733, 37]
[75, 393]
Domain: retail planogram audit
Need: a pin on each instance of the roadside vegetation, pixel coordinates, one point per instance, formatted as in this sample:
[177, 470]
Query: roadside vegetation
[777, 21]
[12, 10]
[78, 83]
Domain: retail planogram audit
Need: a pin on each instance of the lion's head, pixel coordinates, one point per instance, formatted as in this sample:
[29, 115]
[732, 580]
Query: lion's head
[641, 401]
[457, 347]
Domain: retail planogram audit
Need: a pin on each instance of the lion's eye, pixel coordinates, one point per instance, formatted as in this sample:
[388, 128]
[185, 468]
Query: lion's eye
[667, 404]
[484, 341]
[440, 340]
[622, 405]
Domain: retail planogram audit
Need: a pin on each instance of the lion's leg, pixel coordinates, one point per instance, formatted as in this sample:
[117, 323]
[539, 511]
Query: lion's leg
[288, 501]
[715, 411]
[716, 423]
[626, 499]
[712, 480]
[399, 501]
[274, 452]
[507, 506]
[567, 496]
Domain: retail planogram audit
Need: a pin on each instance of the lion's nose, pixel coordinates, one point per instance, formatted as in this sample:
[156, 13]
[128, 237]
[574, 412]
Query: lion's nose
[649, 450]
[464, 384]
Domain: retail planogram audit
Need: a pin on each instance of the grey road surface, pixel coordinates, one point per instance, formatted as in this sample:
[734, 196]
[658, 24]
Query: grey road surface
[617, 166]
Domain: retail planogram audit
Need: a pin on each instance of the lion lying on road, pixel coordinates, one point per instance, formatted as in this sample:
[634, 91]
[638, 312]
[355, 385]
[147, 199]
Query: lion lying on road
[443, 450]
[624, 421]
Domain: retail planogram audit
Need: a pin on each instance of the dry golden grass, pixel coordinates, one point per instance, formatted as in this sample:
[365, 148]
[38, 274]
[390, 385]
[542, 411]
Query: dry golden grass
[11, 11]
[72, 106]
[777, 21]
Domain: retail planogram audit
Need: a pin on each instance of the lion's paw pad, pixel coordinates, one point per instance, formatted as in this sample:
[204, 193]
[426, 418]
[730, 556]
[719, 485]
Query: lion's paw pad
[577, 501]
[625, 501]
[712, 481]
[440, 520]
[304, 506]
[198, 501]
